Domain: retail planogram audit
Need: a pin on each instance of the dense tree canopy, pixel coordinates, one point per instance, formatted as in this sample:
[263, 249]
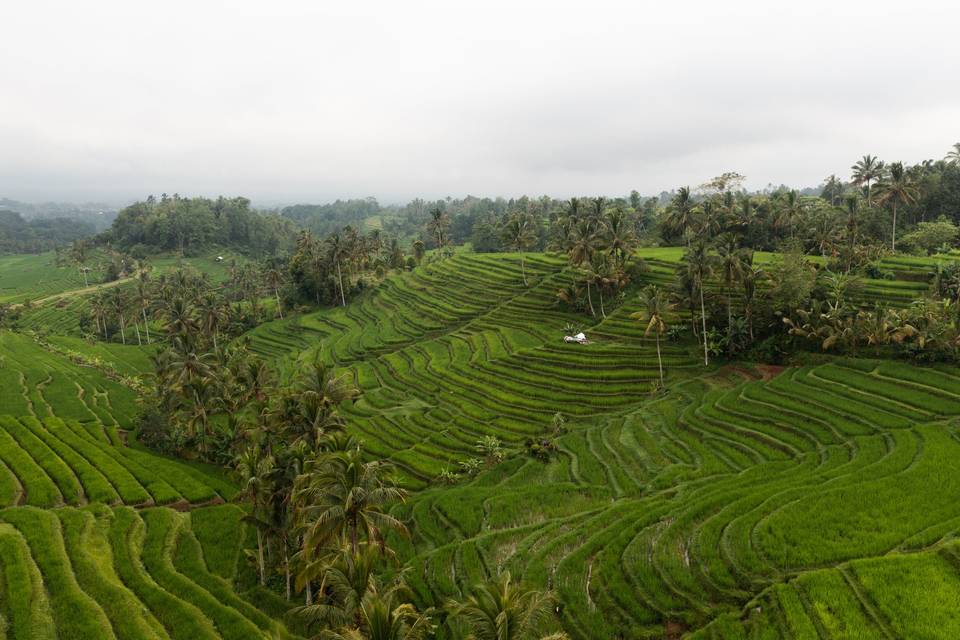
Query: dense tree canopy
[190, 225]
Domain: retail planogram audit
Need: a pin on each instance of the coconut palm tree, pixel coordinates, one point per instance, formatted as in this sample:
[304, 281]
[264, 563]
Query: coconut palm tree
[898, 189]
[178, 317]
[338, 251]
[118, 302]
[699, 265]
[656, 307]
[439, 221]
[519, 234]
[80, 254]
[681, 216]
[382, 617]
[503, 610]
[620, 238]
[212, 317]
[750, 279]
[585, 242]
[732, 264]
[275, 277]
[865, 172]
[789, 212]
[99, 310]
[953, 157]
[142, 297]
[342, 497]
[253, 467]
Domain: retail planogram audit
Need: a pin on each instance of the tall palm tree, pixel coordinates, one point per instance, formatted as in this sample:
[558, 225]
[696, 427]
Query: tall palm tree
[519, 234]
[80, 255]
[699, 266]
[853, 221]
[253, 468]
[680, 214]
[620, 238]
[118, 302]
[750, 279]
[342, 497]
[898, 189]
[143, 296]
[99, 310]
[584, 244]
[732, 264]
[656, 307]
[866, 171]
[503, 610]
[178, 317]
[275, 278]
[953, 157]
[789, 211]
[439, 221]
[338, 251]
[212, 317]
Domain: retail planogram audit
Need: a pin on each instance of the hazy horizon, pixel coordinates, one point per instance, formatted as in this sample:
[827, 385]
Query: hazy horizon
[302, 102]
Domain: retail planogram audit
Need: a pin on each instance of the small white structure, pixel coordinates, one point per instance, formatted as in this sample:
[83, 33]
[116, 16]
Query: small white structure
[580, 338]
[219, 258]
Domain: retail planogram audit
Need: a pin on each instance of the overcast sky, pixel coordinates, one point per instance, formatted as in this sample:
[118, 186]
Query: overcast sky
[287, 101]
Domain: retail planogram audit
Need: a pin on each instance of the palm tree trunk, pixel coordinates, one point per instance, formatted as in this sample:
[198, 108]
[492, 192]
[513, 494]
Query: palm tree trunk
[286, 569]
[145, 325]
[893, 239]
[215, 339]
[343, 299]
[137, 327]
[354, 544]
[263, 571]
[659, 359]
[279, 306]
[590, 300]
[600, 292]
[308, 594]
[123, 337]
[729, 316]
[523, 270]
[703, 318]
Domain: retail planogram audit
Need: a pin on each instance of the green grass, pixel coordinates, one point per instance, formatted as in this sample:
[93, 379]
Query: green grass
[816, 504]
[32, 277]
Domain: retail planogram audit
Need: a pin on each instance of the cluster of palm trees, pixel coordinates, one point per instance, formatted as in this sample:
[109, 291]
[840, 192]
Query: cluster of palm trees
[322, 510]
[834, 224]
[929, 328]
[185, 300]
[598, 240]
[324, 270]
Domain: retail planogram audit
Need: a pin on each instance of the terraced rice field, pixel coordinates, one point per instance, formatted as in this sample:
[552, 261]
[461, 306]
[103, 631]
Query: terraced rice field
[40, 383]
[460, 349]
[102, 572]
[739, 508]
[744, 503]
[100, 538]
[31, 277]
